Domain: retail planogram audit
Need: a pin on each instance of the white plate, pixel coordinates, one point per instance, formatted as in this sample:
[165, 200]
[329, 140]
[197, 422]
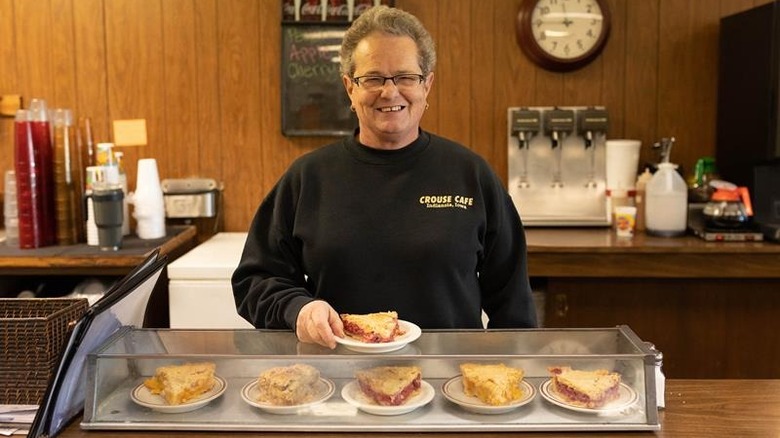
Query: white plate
[453, 391]
[411, 333]
[352, 394]
[142, 396]
[627, 397]
[324, 390]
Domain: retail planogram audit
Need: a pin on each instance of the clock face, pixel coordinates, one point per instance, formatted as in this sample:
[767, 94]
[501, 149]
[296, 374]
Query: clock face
[562, 34]
[567, 29]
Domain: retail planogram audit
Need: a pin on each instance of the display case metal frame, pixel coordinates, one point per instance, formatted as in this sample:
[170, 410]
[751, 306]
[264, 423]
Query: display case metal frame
[122, 364]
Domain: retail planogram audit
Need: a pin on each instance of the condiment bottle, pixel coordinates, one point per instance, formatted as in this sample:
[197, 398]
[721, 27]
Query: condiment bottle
[639, 199]
[666, 210]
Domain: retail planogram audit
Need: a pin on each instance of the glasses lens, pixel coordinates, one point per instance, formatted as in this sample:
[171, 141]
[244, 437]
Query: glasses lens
[407, 81]
[373, 83]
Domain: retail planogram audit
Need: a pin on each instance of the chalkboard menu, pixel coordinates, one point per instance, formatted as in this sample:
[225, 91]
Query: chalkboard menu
[314, 101]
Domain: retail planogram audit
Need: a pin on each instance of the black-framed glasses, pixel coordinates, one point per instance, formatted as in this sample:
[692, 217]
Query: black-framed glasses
[402, 81]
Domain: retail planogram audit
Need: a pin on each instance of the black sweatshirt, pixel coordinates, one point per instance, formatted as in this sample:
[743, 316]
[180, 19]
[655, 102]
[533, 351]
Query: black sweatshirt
[427, 230]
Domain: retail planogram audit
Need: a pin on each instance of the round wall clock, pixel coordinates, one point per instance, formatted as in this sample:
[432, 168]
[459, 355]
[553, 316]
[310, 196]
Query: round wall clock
[562, 35]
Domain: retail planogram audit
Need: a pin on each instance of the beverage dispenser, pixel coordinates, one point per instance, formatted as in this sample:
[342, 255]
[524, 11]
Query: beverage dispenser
[556, 165]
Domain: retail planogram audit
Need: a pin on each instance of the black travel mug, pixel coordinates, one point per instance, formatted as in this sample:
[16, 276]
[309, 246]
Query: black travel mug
[109, 214]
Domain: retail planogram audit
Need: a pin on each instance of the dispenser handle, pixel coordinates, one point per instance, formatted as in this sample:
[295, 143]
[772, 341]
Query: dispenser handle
[745, 195]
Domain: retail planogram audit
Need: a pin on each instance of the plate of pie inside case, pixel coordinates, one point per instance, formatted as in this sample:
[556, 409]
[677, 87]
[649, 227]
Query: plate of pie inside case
[352, 394]
[453, 391]
[627, 397]
[411, 332]
[323, 390]
[143, 397]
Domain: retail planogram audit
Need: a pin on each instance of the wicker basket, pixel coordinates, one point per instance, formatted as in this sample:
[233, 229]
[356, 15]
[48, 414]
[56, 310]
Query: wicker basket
[32, 334]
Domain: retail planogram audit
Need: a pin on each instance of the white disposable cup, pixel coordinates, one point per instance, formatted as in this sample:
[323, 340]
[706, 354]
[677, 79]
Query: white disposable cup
[622, 163]
[148, 204]
[625, 220]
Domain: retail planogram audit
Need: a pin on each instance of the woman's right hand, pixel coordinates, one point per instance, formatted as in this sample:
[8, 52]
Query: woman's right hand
[319, 323]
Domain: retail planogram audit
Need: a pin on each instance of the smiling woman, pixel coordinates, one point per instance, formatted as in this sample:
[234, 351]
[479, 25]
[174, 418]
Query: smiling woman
[390, 218]
[389, 111]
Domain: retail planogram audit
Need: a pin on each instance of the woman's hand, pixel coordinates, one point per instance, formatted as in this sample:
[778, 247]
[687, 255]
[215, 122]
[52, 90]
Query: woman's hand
[319, 323]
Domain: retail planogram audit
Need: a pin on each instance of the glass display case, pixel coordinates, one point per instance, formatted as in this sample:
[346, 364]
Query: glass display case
[116, 397]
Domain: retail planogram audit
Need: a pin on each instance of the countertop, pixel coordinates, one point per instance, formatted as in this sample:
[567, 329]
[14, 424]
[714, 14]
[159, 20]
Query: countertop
[598, 252]
[694, 408]
[84, 259]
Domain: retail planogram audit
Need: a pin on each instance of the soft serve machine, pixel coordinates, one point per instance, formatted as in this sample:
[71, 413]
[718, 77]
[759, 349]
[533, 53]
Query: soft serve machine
[557, 165]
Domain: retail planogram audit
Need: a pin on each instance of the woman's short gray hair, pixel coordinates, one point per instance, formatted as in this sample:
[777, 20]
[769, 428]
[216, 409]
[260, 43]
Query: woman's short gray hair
[391, 21]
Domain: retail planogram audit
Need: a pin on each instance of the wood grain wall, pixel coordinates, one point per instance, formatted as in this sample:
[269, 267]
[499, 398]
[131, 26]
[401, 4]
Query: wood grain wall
[205, 76]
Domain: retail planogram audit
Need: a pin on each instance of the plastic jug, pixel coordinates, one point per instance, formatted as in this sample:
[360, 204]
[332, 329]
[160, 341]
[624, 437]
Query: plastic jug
[666, 208]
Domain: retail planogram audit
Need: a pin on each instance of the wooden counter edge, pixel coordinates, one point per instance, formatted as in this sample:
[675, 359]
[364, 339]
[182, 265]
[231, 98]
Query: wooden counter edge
[694, 408]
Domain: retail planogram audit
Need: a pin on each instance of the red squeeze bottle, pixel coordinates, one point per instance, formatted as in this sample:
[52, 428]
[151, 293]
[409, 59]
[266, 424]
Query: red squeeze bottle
[28, 205]
[44, 161]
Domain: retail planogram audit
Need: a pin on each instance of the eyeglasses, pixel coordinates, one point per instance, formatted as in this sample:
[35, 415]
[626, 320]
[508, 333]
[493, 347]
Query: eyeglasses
[404, 81]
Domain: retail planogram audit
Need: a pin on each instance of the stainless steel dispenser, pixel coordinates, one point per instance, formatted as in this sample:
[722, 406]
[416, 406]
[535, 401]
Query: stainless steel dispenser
[524, 125]
[557, 165]
[558, 124]
[593, 124]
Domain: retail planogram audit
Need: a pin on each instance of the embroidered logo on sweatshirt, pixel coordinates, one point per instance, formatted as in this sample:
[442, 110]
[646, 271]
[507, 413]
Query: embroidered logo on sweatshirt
[446, 201]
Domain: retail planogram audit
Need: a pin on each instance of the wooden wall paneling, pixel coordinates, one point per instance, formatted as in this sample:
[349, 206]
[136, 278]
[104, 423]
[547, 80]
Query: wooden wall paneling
[640, 116]
[549, 90]
[613, 80]
[32, 35]
[239, 85]
[583, 87]
[89, 39]
[428, 12]
[136, 87]
[687, 89]
[63, 55]
[8, 83]
[209, 135]
[276, 152]
[455, 71]
[514, 76]
[181, 152]
[665, 54]
[483, 66]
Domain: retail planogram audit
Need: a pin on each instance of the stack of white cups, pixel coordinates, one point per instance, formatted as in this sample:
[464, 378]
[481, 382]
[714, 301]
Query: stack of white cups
[10, 210]
[147, 200]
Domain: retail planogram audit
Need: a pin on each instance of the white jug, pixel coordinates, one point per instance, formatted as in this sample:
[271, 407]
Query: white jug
[666, 208]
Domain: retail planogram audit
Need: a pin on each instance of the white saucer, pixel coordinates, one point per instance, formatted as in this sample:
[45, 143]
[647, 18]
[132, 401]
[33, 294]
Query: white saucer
[453, 391]
[142, 396]
[324, 390]
[411, 333]
[627, 397]
[352, 394]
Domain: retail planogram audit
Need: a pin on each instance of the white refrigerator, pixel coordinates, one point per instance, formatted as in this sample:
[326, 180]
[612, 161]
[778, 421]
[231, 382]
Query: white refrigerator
[200, 294]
